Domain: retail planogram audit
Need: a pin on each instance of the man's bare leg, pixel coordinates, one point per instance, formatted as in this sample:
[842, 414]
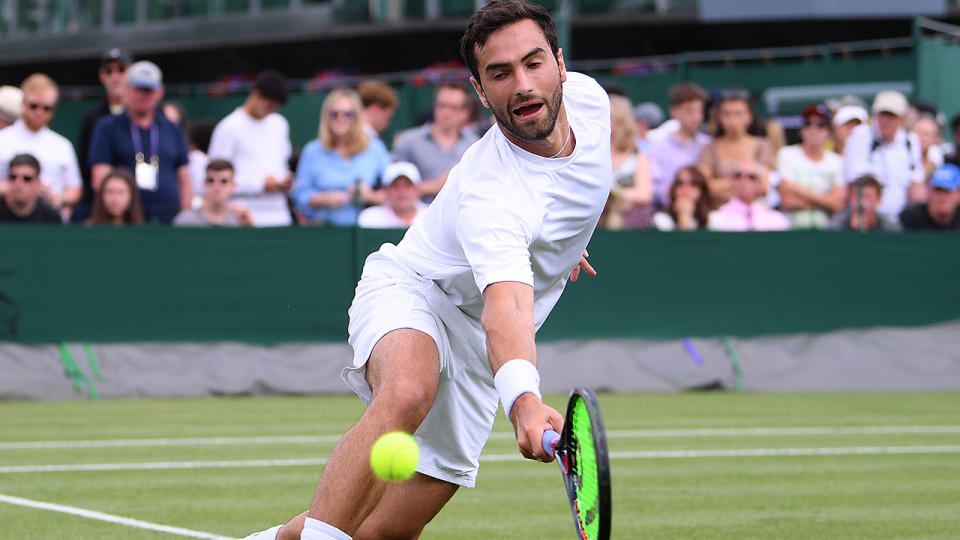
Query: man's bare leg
[404, 372]
[406, 508]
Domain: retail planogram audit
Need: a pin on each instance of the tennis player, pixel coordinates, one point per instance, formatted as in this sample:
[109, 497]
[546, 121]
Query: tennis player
[443, 323]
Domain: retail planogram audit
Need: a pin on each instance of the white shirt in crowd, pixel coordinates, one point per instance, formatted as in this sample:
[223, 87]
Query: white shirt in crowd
[58, 161]
[383, 217]
[257, 149]
[818, 176]
[518, 216]
[894, 164]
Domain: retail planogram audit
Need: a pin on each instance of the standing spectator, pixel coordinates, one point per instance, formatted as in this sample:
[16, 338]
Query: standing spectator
[863, 198]
[31, 135]
[689, 207]
[216, 210]
[11, 105]
[256, 140]
[631, 167]
[680, 148]
[811, 184]
[145, 142]
[22, 202]
[113, 66]
[733, 144]
[927, 130]
[198, 144]
[647, 116]
[402, 199]
[437, 146]
[117, 201]
[940, 211]
[745, 211]
[885, 150]
[337, 171]
[845, 119]
[379, 103]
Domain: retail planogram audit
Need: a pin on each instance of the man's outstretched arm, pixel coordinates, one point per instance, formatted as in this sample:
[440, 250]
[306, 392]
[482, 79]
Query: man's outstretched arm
[508, 322]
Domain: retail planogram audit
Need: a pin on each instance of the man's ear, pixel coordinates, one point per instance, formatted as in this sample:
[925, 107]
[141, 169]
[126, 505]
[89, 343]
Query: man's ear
[563, 67]
[479, 90]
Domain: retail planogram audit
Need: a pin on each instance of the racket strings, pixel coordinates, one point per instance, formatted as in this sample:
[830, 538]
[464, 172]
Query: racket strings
[588, 492]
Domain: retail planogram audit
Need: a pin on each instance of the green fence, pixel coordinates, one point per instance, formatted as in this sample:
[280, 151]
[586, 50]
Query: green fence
[282, 285]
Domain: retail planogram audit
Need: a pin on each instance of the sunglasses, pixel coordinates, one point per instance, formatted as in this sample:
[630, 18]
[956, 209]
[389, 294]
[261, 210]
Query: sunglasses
[35, 106]
[223, 181]
[349, 115]
[25, 177]
[751, 176]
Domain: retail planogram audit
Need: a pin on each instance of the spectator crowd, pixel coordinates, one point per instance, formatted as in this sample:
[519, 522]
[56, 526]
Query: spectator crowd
[713, 164]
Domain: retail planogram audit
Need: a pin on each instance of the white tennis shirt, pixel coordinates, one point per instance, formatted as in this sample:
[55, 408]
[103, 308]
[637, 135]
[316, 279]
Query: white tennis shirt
[505, 214]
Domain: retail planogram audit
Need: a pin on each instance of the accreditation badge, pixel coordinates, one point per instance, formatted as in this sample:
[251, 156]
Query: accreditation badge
[147, 176]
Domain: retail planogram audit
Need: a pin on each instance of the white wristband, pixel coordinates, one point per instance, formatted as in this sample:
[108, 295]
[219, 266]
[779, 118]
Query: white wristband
[515, 378]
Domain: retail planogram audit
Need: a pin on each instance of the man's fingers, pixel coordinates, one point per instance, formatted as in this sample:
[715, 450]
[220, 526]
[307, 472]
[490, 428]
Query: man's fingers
[586, 266]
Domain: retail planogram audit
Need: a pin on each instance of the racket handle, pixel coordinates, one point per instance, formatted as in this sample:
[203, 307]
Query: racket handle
[549, 441]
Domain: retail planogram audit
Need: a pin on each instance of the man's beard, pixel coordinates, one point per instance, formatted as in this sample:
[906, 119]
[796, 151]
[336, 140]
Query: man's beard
[538, 131]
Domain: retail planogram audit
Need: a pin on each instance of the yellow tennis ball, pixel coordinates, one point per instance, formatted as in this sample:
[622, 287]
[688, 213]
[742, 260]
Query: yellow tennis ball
[394, 456]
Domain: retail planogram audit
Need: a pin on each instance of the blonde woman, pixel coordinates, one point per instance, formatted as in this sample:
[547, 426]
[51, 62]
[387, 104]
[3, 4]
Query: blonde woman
[338, 170]
[631, 167]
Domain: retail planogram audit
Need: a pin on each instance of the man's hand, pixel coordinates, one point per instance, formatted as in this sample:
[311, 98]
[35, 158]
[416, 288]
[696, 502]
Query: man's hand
[531, 417]
[273, 183]
[582, 265]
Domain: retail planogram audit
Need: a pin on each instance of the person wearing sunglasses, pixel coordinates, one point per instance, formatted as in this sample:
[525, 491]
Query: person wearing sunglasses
[216, 210]
[22, 202]
[32, 135]
[689, 206]
[338, 170]
[811, 185]
[745, 211]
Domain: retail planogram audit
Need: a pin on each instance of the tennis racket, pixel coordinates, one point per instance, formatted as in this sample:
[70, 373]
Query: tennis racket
[581, 452]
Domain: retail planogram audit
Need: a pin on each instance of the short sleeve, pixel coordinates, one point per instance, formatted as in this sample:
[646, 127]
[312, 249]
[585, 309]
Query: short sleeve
[101, 149]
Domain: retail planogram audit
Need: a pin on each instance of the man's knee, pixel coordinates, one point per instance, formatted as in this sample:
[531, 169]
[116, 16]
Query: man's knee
[409, 398]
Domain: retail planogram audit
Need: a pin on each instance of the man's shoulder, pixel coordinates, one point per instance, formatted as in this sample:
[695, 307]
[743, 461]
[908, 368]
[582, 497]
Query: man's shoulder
[915, 215]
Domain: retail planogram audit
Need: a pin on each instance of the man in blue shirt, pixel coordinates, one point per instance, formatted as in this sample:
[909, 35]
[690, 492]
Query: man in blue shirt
[147, 144]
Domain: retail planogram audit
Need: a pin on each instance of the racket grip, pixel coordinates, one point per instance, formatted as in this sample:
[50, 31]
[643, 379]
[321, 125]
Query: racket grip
[549, 441]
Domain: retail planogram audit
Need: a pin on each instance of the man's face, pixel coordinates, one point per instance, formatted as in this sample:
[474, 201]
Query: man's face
[747, 182]
[842, 132]
[450, 108]
[927, 131]
[23, 184]
[262, 107]
[219, 187]
[521, 80]
[141, 100]
[887, 125]
[402, 194]
[689, 114]
[38, 108]
[868, 199]
[943, 204]
[815, 131]
[111, 77]
[379, 116]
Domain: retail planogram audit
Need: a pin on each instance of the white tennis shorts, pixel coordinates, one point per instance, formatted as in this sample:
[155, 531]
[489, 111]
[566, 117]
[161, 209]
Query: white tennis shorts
[389, 297]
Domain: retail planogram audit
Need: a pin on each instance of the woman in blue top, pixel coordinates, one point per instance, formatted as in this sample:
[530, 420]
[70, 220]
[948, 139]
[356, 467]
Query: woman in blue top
[337, 172]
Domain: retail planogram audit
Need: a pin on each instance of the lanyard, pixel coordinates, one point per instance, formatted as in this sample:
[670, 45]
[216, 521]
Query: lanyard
[138, 143]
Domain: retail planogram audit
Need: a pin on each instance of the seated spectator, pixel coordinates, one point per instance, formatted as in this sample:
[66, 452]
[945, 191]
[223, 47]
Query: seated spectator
[402, 199]
[863, 197]
[811, 183]
[117, 202]
[845, 119]
[940, 210]
[689, 203]
[647, 116]
[216, 209]
[11, 105]
[22, 202]
[631, 168]
[338, 170]
[379, 103]
[745, 211]
[680, 147]
[927, 130]
[733, 144]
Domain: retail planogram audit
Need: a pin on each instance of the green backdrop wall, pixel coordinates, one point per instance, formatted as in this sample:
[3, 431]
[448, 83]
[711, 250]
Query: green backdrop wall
[282, 285]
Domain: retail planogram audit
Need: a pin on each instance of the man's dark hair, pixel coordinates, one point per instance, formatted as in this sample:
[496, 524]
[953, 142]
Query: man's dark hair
[867, 180]
[955, 123]
[272, 85]
[200, 133]
[685, 92]
[219, 165]
[496, 15]
[24, 159]
[374, 92]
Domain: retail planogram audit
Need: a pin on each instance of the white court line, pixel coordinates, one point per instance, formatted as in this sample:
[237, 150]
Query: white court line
[109, 518]
[615, 434]
[650, 454]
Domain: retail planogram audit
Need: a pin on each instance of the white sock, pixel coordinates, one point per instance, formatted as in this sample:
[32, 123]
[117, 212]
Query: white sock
[269, 534]
[314, 529]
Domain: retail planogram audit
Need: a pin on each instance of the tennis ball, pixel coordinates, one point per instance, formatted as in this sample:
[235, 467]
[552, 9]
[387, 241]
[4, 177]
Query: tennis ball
[394, 456]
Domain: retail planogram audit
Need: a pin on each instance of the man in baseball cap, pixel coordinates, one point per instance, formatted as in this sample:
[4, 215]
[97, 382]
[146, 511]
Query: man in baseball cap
[402, 199]
[940, 210]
